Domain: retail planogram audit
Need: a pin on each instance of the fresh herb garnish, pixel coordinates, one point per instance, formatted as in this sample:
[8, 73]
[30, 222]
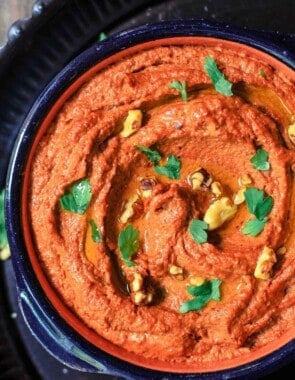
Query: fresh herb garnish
[152, 155]
[257, 203]
[198, 231]
[180, 87]
[260, 160]
[78, 198]
[102, 36]
[260, 206]
[128, 244]
[209, 290]
[3, 235]
[222, 85]
[171, 169]
[253, 227]
[261, 72]
[95, 232]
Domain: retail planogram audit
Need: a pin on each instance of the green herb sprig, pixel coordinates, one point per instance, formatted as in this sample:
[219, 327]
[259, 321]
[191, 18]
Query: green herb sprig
[221, 84]
[171, 169]
[78, 198]
[128, 244]
[151, 154]
[260, 160]
[198, 231]
[95, 232]
[180, 86]
[209, 290]
[260, 206]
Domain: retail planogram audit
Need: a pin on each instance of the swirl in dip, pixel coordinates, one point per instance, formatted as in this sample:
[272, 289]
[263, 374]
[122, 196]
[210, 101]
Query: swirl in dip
[162, 208]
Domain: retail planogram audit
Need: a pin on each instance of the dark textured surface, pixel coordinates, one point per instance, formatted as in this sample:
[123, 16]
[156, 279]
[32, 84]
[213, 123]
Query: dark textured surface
[37, 49]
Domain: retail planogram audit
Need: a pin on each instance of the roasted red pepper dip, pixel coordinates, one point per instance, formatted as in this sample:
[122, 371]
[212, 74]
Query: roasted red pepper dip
[161, 202]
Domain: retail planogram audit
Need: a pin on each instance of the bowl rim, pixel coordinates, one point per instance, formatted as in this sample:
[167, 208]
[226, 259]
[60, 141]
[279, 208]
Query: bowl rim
[71, 74]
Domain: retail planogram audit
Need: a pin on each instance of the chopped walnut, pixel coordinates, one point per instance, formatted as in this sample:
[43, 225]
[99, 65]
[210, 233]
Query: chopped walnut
[199, 178]
[146, 186]
[137, 282]
[140, 294]
[282, 250]
[177, 272]
[197, 280]
[132, 123]
[128, 209]
[291, 133]
[265, 262]
[239, 197]
[216, 189]
[245, 180]
[219, 212]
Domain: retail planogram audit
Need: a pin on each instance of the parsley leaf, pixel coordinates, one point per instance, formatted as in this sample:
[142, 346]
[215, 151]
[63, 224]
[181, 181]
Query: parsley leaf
[171, 169]
[197, 230]
[253, 197]
[260, 206]
[95, 232]
[253, 227]
[78, 199]
[199, 290]
[194, 304]
[222, 85]
[264, 208]
[180, 87]
[209, 290]
[261, 72]
[152, 155]
[3, 235]
[128, 244]
[260, 160]
[257, 204]
[102, 36]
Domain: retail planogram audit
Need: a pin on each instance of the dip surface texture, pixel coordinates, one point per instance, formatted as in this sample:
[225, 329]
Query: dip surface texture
[160, 261]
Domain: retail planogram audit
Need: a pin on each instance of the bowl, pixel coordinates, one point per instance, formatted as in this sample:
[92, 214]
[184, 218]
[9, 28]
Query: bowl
[51, 298]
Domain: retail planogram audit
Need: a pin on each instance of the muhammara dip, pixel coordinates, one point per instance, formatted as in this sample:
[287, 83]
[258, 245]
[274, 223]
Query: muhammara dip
[162, 206]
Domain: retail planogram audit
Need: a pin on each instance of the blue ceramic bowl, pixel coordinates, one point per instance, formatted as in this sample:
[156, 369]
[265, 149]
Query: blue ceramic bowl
[49, 328]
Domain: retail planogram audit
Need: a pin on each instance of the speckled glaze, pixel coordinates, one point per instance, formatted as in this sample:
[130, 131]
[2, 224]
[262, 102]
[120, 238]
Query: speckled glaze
[45, 323]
